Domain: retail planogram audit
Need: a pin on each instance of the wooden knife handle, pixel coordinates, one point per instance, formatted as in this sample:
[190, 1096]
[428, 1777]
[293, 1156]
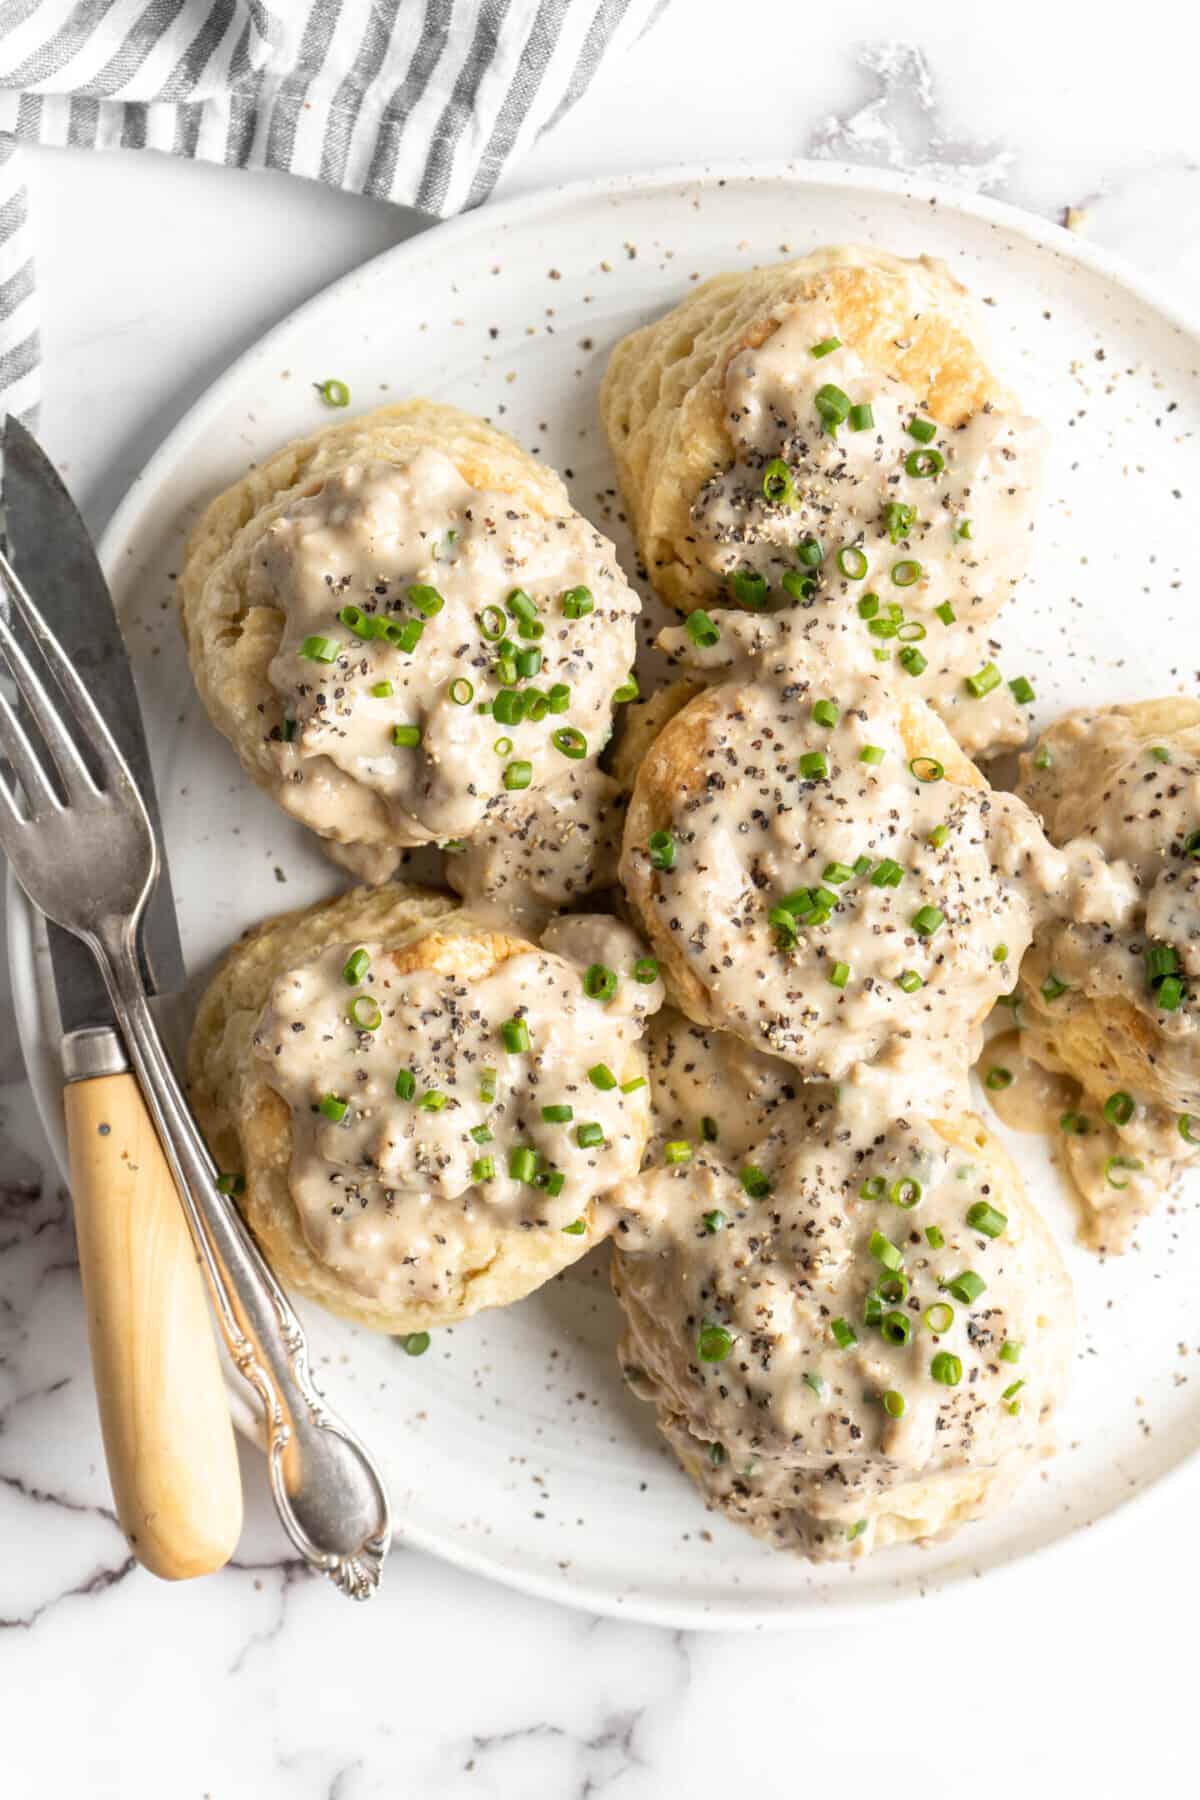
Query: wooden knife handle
[164, 1412]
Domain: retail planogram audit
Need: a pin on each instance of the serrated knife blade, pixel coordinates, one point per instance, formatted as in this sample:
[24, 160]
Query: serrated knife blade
[50, 549]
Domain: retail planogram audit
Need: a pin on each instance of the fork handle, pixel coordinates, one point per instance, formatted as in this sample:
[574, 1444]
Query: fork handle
[164, 1412]
[329, 1495]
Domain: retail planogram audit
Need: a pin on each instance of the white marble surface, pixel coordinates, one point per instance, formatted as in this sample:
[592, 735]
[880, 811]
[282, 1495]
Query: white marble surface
[1073, 1676]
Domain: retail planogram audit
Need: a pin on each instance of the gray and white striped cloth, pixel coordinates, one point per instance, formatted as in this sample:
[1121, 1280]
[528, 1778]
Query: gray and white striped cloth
[420, 101]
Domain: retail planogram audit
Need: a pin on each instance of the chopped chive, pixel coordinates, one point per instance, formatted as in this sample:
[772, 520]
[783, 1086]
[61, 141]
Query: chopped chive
[966, 1287]
[843, 1333]
[576, 1228]
[909, 981]
[481, 1134]
[1022, 690]
[749, 589]
[558, 1114]
[938, 1318]
[1010, 1350]
[1074, 1124]
[814, 765]
[868, 606]
[911, 660]
[714, 1221]
[938, 836]
[924, 430]
[905, 1193]
[661, 845]
[983, 681]
[1132, 1164]
[602, 1077]
[839, 975]
[570, 742]
[946, 1368]
[862, 417]
[676, 1152]
[920, 465]
[406, 736]
[800, 587]
[837, 872]
[898, 520]
[522, 1163]
[599, 982]
[702, 629]
[906, 573]
[427, 600]
[645, 970]
[331, 1107]
[1187, 1124]
[934, 1237]
[884, 1251]
[1161, 754]
[895, 1327]
[713, 1344]
[551, 1181]
[893, 1404]
[825, 346]
[928, 919]
[320, 649]
[945, 613]
[999, 1078]
[833, 406]
[406, 1084]
[588, 1135]
[333, 393]
[433, 1101]
[483, 1169]
[755, 1182]
[985, 1219]
[852, 561]
[926, 768]
[873, 1188]
[628, 690]
[515, 1036]
[491, 623]
[487, 1084]
[517, 776]
[778, 485]
[826, 712]
[363, 1013]
[355, 967]
[1119, 1108]
[577, 602]
[871, 753]
[415, 1343]
[1052, 988]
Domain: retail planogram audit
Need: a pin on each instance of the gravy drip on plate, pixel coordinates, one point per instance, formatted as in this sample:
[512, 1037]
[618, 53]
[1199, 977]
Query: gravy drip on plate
[417, 1099]
[442, 646]
[916, 541]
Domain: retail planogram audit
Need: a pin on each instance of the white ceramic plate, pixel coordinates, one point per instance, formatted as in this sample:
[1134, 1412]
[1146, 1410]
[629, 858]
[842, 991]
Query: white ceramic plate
[512, 1446]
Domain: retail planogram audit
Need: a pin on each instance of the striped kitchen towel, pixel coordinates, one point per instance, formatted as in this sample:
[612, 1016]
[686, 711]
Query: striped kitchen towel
[421, 101]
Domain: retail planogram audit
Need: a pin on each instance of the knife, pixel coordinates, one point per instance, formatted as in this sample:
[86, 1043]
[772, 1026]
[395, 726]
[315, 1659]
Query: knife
[164, 1412]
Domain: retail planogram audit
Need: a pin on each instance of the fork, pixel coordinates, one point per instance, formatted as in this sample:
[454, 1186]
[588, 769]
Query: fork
[89, 863]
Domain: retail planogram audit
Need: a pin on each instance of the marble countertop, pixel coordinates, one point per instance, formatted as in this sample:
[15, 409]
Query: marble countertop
[261, 1681]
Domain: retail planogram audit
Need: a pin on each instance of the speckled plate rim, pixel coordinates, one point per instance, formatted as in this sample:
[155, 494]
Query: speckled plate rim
[28, 972]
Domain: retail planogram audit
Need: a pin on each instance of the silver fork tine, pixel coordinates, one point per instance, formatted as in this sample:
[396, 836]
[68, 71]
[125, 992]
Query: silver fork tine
[11, 815]
[61, 745]
[26, 767]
